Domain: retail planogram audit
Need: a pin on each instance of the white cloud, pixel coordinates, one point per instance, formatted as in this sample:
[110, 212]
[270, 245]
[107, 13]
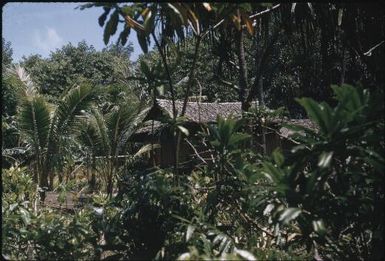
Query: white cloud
[48, 40]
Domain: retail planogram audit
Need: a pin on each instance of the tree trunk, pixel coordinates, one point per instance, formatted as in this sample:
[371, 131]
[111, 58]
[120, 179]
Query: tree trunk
[187, 93]
[261, 100]
[343, 67]
[51, 177]
[242, 69]
[93, 170]
[43, 184]
[109, 186]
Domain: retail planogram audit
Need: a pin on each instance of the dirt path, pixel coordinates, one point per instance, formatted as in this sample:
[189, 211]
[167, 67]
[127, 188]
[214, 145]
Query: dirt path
[52, 201]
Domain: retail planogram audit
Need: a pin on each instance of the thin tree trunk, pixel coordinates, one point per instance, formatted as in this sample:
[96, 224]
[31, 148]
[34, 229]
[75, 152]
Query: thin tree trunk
[242, 69]
[109, 178]
[343, 66]
[51, 178]
[93, 170]
[262, 104]
[164, 60]
[261, 100]
[187, 93]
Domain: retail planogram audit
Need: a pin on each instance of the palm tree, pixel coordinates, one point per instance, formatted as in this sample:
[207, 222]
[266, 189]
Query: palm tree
[42, 124]
[107, 136]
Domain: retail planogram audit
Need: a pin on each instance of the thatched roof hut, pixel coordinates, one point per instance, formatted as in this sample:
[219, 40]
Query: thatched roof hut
[206, 112]
[198, 114]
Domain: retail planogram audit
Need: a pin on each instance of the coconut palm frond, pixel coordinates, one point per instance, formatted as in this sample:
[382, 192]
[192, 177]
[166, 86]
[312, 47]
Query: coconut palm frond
[99, 129]
[122, 122]
[73, 103]
[146, 149]
[135, 123]
[35, 121]
[21, 74]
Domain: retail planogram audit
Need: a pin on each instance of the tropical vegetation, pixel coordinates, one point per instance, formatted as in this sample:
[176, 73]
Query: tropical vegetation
[69, 121]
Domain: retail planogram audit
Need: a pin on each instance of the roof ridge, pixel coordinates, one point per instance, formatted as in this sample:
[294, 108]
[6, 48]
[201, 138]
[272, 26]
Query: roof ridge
[168, 100]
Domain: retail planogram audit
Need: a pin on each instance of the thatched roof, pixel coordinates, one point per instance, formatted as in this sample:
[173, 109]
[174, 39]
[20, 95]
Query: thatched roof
[300, 122]
[205, 112]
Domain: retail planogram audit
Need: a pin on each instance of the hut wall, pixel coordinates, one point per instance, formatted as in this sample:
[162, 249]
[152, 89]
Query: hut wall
[273, 141]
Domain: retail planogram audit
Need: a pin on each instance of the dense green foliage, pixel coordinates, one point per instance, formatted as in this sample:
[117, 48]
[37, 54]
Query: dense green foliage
[69, 65]
[69, 124]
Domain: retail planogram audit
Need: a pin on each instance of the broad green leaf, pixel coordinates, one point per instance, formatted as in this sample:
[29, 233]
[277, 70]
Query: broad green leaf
[315, 112]
[311, 9]
[25, 216]
[189, 232]
[271, 172]
[142, 42]
[207, 6]
[35, 121]
[184, 256]
[160, 90]
[249, 24]
[244, 254]
[319, 227]
[13, 206]
[149, 22]
[293, 5]
[180, 12]
[225, 244]
[325, 159]
[183, 130]
[103, 17]
[268, 209]
[193, 20]
[237, 138]
[145, 69]
[111, 26]
[278, 157]
[124, 35]
[146, 148]
[289, 214]
[340, 14]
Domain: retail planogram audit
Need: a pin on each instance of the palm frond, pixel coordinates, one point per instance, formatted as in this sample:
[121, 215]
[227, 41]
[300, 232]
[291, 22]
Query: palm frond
[22, 75]
[73, 103]
[119, 122]
[35, 121]
[99, 128]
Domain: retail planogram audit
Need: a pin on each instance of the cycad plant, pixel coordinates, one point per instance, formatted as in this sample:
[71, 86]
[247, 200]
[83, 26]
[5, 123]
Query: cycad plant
[42, 124]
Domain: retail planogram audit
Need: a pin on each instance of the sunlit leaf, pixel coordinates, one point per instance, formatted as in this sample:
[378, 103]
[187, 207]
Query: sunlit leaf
[245, 254]
[289, 214]
[183, 130]
[293, 5]
[25, 216]
[319, 227]
[325, 159]
[189, 232]
[207, 6]
[134, 24]
[149, 22]
[340, 14]
[249, 24]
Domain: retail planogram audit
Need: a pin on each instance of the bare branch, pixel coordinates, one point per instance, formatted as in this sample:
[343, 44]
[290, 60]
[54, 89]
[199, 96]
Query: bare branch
[196, 152]
[264, 11]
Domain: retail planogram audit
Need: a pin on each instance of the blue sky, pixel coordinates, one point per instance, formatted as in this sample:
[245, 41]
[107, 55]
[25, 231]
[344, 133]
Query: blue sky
[39, 28]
